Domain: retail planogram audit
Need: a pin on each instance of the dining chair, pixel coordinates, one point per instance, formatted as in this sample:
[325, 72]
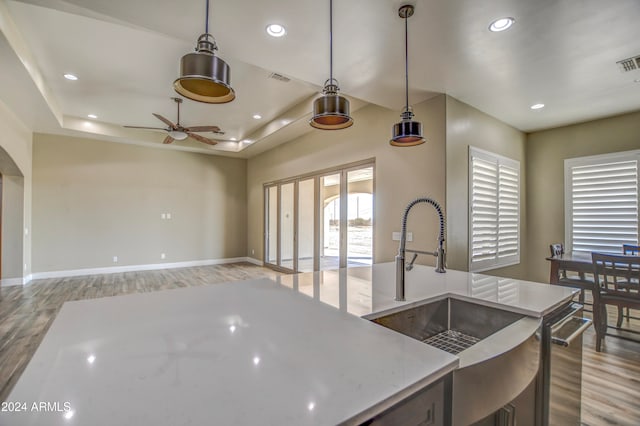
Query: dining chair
[630, 249]
[627, 249]
[617, 279]
[571, 279]
[557, 249]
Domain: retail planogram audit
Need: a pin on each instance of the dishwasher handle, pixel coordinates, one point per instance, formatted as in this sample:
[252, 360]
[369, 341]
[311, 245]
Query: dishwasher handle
[565, 332]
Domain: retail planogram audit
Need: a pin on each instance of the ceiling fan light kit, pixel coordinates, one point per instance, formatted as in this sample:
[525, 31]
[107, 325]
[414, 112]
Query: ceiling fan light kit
[204, 77]
[178, 135]
[331, 110]
[407, 132]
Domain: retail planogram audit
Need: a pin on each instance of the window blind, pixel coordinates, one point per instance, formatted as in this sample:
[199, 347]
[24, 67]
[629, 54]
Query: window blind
[602, 205]
[494, 217]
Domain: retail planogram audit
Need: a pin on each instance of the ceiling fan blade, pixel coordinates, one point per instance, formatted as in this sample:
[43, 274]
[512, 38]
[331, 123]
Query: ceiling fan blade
[201, 138]
[204, 129]
[168, 139]
[148, 128]
[164, 120]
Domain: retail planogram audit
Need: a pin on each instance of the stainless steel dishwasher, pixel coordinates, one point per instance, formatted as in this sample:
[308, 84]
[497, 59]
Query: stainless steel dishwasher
[560, 378]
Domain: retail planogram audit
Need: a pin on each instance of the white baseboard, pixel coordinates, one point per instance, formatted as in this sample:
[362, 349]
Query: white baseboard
[254, 261]
[132, 268]
[6, 282]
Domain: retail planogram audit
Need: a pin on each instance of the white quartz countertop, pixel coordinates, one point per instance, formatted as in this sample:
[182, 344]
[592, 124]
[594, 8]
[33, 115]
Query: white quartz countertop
[242, 353]
[370, 291]
[251, 352]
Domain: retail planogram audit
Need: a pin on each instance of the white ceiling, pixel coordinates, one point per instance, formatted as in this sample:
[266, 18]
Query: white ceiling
[126, 53]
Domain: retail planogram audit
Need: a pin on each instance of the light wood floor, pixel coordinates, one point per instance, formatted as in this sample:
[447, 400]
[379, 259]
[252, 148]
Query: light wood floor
[611, 379]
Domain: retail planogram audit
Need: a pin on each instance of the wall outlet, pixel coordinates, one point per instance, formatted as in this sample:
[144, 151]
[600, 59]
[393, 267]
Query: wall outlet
[162, 256]
[115, 259]
[25, 266]
[26, 231]
[168, 215]
[395, 236]
[163, 216]
[253, 251]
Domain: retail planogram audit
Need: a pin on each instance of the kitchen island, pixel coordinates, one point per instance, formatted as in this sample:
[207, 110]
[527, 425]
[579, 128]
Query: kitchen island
[252, 352]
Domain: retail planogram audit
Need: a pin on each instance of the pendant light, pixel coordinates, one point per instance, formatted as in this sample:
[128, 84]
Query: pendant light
[331, 110]
[205, 77]
[407, 132]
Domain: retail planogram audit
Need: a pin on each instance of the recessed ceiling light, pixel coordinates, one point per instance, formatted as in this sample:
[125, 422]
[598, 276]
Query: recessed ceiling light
[247, 141]
[257, 116]
[537, 106]
[276, 30]
[92, 116]
[501, 24]
[70, 77]
[233, 139]
[637, 80]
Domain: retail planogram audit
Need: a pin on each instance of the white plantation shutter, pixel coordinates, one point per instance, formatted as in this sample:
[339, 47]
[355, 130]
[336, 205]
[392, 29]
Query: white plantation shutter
[495, 289]
[494, 216]
[601, 202]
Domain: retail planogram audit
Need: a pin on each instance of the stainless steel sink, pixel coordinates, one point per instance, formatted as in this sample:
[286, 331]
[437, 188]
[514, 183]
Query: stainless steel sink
[498, 350]
[449, 324]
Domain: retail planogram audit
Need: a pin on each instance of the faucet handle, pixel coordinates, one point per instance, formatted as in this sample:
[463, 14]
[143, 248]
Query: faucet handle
[413, 259]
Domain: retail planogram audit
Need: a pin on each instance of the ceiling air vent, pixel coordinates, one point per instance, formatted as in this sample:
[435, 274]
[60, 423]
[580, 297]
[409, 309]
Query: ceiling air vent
[629, 64]
[279, 77]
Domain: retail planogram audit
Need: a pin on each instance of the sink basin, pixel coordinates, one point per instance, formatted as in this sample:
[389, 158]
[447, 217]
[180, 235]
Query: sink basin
[451, 325]
[499, 351]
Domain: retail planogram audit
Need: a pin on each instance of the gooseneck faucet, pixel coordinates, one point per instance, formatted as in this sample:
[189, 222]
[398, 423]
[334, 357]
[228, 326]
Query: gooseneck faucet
[439, 253]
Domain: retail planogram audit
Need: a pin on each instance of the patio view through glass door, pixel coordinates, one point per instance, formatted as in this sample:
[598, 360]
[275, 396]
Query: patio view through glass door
[330, 221]
[320, 222]
[360, 217]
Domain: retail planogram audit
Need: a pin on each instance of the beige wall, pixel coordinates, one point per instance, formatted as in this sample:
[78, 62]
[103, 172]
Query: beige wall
[12, 226]
[467, 126]
[546, 152]
[15, 165]
[93, 200]
[401, 174]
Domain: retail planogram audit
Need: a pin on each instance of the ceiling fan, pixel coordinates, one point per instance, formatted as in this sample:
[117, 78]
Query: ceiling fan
[178, 132]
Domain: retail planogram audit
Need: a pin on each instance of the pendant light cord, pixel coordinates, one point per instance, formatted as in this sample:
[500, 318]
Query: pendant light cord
[330, 41]
[206, 21]
[406, 60]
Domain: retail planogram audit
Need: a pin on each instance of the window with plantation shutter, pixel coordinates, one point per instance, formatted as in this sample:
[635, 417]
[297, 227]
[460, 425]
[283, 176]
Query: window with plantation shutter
[601, 202]
[494, 210]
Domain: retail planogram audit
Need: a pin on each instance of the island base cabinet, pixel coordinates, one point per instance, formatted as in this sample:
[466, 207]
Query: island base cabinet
[427, 407]
[519, 412]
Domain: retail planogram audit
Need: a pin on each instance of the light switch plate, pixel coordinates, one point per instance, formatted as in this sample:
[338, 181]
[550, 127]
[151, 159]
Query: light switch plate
[395, 236]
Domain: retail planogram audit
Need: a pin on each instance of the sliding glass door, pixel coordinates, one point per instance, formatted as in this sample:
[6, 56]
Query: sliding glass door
[271, 234]
[330, 222]
[322, 221]
[286, 234]
[306, 225]
[360, 216]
